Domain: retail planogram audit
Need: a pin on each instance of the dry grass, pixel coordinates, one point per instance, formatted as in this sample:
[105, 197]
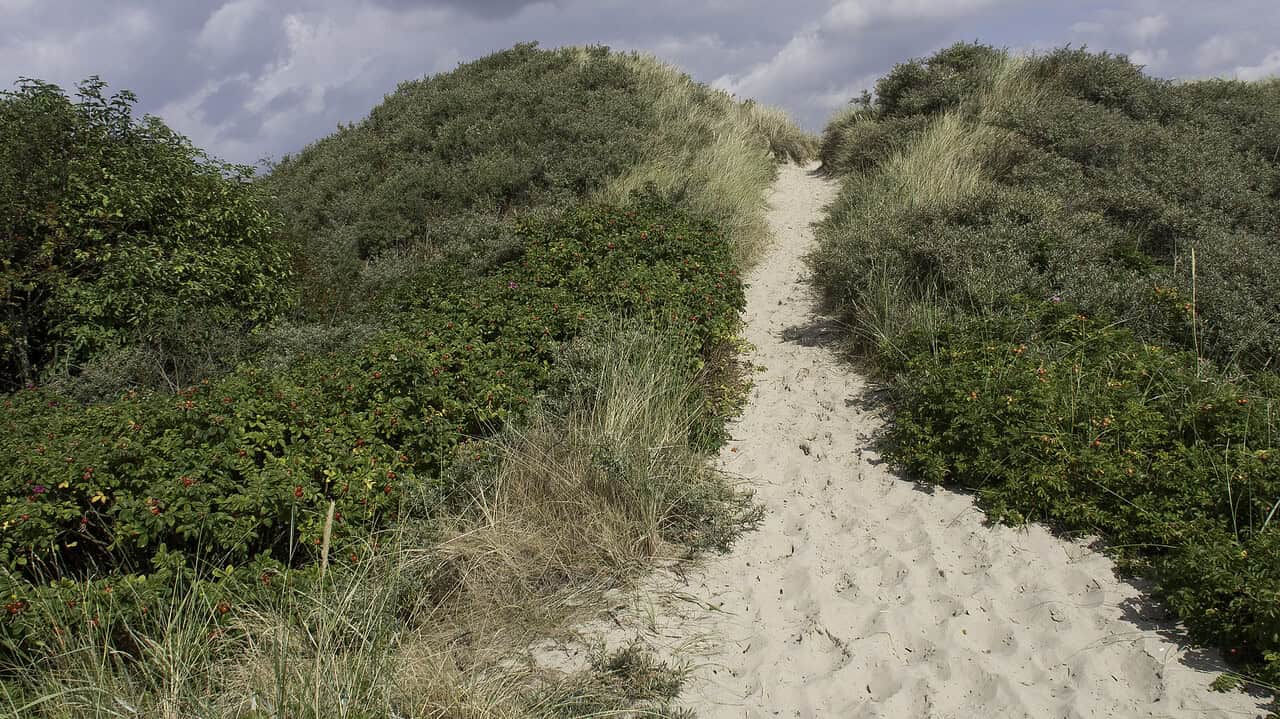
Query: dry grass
[786, 141]
[714, 152]
[943, 165]
[437, 621]
[939, 169]
[1010, 85]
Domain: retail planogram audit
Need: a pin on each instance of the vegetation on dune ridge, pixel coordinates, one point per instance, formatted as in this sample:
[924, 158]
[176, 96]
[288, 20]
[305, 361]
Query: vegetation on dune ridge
[436, 172]
[352, 493]
[1068, 272]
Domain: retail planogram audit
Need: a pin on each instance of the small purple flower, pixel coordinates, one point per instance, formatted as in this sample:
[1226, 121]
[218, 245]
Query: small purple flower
[512, 285]
[37, 489]
[1056, 299]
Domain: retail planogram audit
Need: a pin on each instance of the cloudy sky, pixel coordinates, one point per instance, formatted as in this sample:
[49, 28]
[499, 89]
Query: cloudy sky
[248, 79]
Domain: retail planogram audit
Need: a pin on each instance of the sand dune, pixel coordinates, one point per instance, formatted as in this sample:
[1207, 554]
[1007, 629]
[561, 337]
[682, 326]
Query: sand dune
[863, 595]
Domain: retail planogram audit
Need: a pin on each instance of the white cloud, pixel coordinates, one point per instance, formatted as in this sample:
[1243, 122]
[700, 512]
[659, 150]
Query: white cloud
[241, 82]
[323, 54]
[1150, 58]
[1217, 51]
[834, 99]
[849, 39]
[854, 15]
[1269, 67]
[1087, 28]
[224, 29]
[858, 14]
[61, 59]
[796, 61]
[1146, 29]
[675, 48]
[184, 114]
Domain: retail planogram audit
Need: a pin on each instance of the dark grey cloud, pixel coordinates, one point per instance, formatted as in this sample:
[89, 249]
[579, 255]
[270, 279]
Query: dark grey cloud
[225, 104]
[253, 78]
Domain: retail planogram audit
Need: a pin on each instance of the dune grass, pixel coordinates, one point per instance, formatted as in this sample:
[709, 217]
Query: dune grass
[713, 152]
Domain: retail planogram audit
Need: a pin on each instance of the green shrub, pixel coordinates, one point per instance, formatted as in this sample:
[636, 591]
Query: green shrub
[442, 160]
[858, 142]
[159, 491]
[109, 225]
[1056, 417]
[1107, 80]
[1081, 198]
[935, 84]
[167, 492]
[450, 143]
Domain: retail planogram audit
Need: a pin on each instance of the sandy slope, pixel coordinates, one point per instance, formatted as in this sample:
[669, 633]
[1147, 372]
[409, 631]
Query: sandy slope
[864, 595]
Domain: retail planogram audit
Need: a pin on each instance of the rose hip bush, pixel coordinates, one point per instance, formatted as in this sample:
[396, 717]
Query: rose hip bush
[113, 508]
[1061, 418]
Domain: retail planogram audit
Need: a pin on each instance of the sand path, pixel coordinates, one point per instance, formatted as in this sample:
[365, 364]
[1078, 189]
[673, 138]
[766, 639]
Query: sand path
[863, 595]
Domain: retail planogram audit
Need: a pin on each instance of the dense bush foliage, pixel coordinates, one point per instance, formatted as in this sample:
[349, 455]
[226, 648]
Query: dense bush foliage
[1076, 424]
[450, 143]
[116, 231]
[238, 473]
[1094, 183]
[1069, 271]
[443, 161]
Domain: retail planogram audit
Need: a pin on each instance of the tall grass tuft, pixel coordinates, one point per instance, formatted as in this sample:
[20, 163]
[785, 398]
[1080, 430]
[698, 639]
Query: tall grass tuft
[940, 169]
[717, 155]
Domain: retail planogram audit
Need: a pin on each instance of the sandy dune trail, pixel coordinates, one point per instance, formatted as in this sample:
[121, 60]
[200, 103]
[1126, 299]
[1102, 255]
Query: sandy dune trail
[862, 595]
